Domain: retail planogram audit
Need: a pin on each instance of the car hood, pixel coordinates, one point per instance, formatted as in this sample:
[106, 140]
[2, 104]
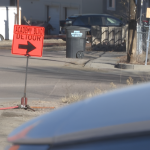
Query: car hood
[91, 117]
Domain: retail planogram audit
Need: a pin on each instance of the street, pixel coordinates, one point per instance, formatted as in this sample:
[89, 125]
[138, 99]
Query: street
[48, 81]
[52, 78]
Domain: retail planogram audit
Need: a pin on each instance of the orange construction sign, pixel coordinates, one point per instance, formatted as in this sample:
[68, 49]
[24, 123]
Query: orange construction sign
[28, 40]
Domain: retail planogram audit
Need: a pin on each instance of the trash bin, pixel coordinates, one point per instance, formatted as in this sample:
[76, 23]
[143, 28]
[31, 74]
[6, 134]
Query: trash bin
[75, 41]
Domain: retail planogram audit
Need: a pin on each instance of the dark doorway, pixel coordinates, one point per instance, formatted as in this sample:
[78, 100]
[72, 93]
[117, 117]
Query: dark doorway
[13, 2]
[65, 12]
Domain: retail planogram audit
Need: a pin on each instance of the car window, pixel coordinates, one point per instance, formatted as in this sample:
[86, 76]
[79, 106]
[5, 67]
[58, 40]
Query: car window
[95, 20]
[72, 19]
[111, 21]
[81, 21]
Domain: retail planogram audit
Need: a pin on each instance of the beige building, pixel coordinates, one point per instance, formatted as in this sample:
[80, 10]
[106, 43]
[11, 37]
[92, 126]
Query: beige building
[40, 10]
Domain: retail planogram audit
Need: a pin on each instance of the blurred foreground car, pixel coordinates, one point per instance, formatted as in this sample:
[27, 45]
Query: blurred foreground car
[119, 120]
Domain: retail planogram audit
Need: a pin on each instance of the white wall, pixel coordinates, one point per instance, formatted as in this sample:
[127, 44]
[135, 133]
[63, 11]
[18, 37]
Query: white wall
[7, 21]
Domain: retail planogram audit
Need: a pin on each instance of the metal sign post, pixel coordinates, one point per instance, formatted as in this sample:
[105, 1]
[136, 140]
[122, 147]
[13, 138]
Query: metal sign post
[24, 99]
[141, 12]
[26, 76]
[18, 12]
[27, 41]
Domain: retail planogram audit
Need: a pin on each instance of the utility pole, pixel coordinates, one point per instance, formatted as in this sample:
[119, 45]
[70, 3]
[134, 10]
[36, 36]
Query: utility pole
[141, 13]
[18, 12]
[132, 39]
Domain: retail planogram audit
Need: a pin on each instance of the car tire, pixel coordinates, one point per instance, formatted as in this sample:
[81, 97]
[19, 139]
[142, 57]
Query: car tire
[1, 38]
[80, 54]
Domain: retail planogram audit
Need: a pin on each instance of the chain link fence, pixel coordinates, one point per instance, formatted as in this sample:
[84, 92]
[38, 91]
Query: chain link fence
[142, 35]
[143, 46]
[109, 38]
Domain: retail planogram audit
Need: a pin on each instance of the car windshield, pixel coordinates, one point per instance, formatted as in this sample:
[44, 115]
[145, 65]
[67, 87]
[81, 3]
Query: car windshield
[112, 21]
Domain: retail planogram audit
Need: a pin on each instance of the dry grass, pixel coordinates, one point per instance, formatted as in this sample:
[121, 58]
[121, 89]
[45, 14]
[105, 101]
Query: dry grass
[71, 98]
[145, 77]
[112, 85]
[78, 97]
[129, 81]
[140, 60]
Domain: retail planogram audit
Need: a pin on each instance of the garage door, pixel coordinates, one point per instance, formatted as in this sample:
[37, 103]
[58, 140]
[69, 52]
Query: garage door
[72, 11]
[54, 13]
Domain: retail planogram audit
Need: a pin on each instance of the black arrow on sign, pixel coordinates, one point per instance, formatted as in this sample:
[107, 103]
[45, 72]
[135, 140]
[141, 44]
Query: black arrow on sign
[29, 47]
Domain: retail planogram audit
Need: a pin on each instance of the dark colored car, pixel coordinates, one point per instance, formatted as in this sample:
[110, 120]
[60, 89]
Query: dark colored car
[88, 20]
[119, 120]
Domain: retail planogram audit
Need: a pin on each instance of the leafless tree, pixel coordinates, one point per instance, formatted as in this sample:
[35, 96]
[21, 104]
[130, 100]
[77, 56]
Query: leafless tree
[132, 37]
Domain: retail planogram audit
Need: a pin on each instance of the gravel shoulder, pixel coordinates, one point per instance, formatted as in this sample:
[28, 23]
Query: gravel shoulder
[11, 119]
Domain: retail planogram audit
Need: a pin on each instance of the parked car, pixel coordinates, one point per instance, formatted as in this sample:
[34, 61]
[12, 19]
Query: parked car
[88, 20]
[119, 120]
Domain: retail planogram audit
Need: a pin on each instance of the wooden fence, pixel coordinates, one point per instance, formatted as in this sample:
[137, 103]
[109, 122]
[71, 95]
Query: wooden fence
[109, 38]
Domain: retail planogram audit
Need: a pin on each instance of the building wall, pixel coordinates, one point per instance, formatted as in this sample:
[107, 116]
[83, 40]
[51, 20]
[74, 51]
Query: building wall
[4, 3]
[37, 9]
[121, 11]
[33, 10]
[92, 6]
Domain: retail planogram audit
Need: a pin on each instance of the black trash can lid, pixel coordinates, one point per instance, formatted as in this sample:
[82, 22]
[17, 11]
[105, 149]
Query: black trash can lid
[77, 28]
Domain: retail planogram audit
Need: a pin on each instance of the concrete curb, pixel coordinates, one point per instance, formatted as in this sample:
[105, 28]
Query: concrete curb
[132, 67]
[94, 65]
[124, 66]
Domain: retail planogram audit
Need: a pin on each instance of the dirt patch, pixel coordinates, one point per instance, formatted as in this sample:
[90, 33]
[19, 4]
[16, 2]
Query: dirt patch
[123, 59]
[11, 119]
[11, 114]
[140, 60]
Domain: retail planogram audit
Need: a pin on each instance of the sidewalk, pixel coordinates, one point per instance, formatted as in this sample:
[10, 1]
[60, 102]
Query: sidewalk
[7, 44]
[92, 60]
[105, 60]
[110, 60]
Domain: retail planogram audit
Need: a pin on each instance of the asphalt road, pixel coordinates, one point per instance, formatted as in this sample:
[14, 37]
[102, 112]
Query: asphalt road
[46, 82]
